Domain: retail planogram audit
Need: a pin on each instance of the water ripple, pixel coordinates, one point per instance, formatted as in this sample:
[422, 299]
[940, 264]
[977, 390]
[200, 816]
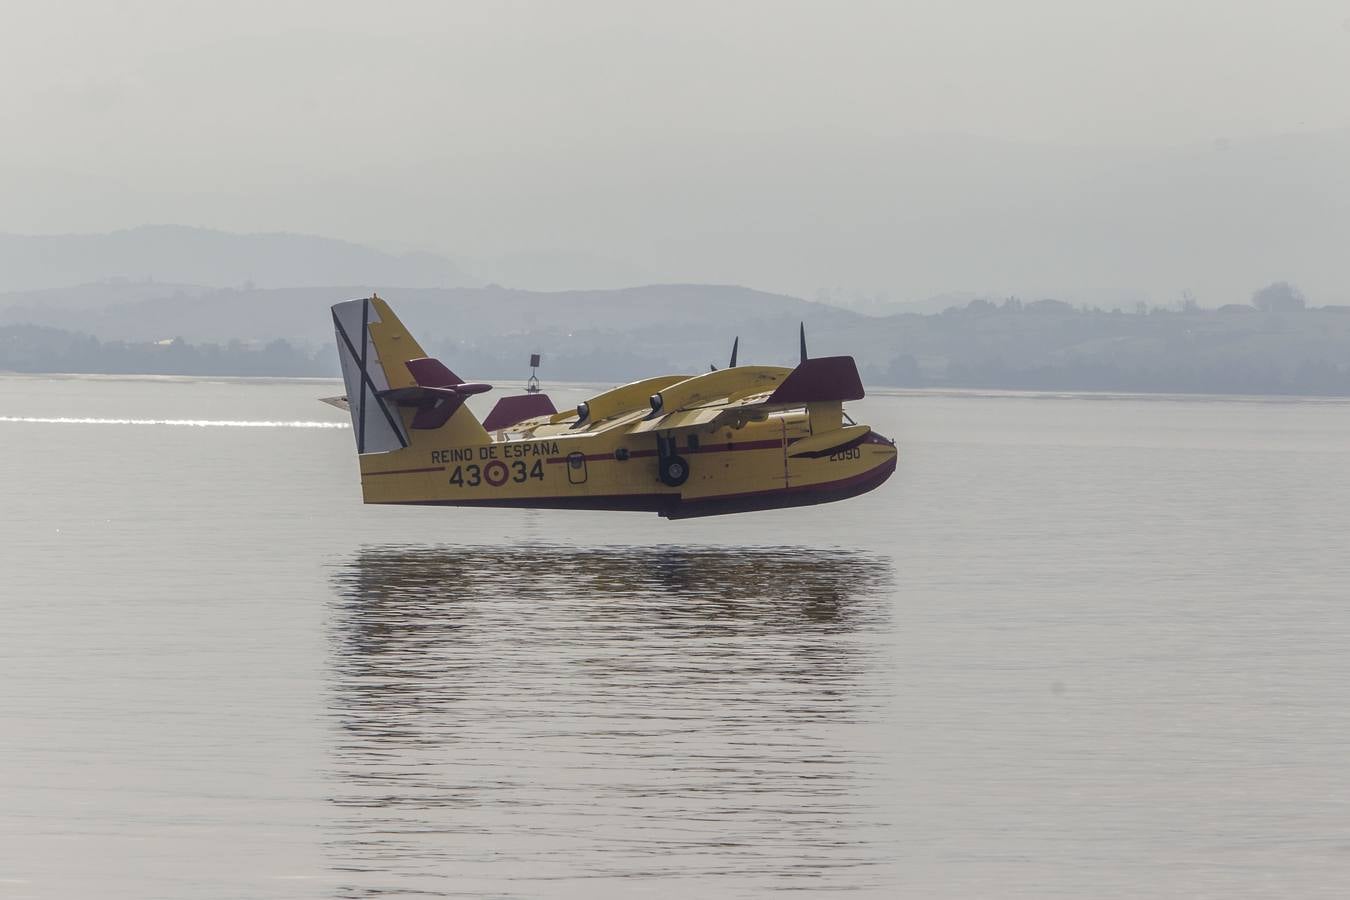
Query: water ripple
[607, 716]
[191, 423]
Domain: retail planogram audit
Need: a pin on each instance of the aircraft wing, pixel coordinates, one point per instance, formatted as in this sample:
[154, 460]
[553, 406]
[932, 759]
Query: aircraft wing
[340, 402]
[826, 379]
[685, 418]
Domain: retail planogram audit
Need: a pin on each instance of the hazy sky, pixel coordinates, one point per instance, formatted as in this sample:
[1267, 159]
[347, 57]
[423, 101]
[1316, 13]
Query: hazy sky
[785, 145]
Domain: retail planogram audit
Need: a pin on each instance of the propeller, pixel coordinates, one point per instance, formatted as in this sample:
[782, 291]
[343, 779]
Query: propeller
[735, 345]
[803, 336]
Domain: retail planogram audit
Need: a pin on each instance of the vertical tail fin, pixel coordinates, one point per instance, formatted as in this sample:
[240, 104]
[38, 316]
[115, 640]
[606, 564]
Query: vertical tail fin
[378, 357]
[376, 423]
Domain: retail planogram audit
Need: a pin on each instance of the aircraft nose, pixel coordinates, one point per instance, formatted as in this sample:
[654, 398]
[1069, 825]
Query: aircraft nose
[884, 450]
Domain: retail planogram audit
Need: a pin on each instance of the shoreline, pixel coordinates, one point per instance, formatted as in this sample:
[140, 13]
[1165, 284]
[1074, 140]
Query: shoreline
[985, 393]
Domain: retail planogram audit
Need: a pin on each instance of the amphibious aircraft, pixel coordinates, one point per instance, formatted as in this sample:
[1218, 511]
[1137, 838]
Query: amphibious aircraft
[728, 440]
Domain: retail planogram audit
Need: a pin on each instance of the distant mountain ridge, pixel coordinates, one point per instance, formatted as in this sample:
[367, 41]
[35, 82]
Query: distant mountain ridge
[660, 321]
[201, 256]
[614, 336]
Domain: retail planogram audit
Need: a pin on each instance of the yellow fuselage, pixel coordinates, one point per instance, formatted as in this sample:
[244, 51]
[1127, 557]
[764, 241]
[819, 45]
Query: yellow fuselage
[545, 464]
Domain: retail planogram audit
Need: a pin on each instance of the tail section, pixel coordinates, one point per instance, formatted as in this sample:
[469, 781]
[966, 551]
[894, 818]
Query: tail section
[368, 373]
[394, 392]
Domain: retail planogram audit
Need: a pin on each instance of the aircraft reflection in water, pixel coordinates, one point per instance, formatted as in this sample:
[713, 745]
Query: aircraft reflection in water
[509, 715]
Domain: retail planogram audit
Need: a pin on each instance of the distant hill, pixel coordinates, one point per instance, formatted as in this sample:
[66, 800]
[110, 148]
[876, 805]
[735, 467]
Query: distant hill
[663, 314]
[200, 256]
[605, 332]
[1038, 347]
[619, 335]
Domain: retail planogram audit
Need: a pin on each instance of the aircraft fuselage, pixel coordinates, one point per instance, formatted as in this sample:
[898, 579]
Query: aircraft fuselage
[729, 470]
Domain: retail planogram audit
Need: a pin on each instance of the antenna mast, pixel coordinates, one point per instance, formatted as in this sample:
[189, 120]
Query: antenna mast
[532, 386]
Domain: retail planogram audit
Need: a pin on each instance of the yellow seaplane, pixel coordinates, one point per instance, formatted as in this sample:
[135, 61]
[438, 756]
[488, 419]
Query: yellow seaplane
[728, 440]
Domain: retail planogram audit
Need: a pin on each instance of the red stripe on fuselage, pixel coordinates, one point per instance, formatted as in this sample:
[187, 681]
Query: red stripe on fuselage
[405, 471]
[644, 454]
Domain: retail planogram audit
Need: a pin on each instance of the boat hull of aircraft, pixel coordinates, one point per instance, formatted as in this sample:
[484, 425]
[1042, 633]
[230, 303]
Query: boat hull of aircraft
[734, 440]
[791, 485]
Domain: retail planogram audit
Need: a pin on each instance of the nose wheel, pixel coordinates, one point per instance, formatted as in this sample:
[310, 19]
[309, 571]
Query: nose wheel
[673, 469]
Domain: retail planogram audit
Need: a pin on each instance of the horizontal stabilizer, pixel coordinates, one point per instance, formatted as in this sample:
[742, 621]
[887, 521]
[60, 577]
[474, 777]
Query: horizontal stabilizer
[820, 380]
[434, 405]
[422, 396]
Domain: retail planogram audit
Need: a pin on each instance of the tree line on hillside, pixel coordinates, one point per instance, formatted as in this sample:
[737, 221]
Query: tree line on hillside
[1227, 376]
[32, 348]
[1275, 345]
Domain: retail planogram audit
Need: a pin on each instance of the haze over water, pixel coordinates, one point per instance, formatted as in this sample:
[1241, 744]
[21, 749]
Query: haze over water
[1077, 646]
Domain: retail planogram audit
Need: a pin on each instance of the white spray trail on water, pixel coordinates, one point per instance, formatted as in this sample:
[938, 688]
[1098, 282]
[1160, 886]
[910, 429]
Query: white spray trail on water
[191, 423]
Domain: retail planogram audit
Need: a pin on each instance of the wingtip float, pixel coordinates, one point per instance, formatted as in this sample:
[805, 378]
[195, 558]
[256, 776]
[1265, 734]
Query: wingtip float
[730, 440]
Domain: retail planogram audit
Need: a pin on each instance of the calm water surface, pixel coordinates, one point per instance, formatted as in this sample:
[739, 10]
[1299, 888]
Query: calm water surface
[1075, 647]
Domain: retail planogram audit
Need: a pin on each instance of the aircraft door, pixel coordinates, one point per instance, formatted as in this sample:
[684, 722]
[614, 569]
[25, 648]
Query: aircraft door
[576, 468]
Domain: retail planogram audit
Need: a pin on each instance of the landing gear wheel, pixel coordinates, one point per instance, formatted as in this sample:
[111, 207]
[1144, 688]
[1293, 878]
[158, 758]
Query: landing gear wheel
[674, 471]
